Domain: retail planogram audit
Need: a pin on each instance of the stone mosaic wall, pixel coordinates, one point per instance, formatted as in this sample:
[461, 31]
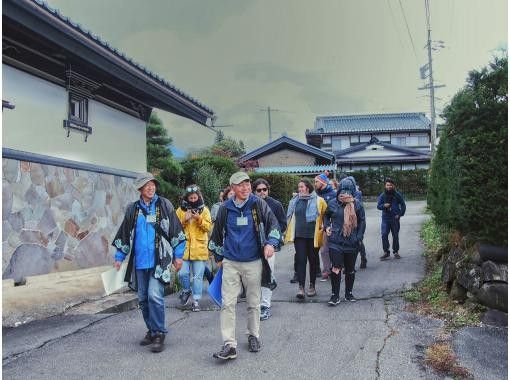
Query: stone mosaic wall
[57, 219]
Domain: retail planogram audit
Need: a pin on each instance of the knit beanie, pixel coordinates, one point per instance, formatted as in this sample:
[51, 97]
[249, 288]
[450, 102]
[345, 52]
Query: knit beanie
[323, 178]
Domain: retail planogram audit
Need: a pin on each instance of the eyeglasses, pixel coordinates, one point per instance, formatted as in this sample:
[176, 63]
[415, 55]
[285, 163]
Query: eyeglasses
[191, 189]
[260, 190]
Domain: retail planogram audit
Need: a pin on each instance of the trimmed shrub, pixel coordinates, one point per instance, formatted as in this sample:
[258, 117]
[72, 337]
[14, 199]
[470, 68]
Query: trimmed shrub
[411, 183]
[282, 185]
[468, 182]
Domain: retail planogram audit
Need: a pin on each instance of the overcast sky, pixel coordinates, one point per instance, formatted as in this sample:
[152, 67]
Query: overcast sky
[304, 58]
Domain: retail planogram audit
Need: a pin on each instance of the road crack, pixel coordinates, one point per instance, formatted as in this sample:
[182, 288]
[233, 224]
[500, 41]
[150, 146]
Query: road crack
[391, 333]
[12, 357]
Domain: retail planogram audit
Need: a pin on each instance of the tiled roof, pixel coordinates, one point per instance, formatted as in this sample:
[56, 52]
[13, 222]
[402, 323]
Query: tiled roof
[398, 148]
[391, 122]
[96, 39]
[286, 141]
[312, 169]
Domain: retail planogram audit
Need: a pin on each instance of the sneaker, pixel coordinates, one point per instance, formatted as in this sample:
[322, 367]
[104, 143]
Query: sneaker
[294, 279]
[226, 352]
[253, 344]
[184, 297]
[147, 339]
[334, 300]
[195, 306]
[396, 255]
[363, 264]
[311, 291]
[325, 277]
[158, 343]
[301, 293]
[265, 313]
[386, 256]
[349, 297]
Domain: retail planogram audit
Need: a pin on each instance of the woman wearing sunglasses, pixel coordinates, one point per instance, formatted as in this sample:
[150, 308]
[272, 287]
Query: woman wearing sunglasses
[196, 222]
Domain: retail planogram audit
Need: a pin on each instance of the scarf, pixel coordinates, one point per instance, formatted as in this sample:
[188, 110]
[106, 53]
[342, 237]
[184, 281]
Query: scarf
[350, 219]
[311, 209]
[198, 205]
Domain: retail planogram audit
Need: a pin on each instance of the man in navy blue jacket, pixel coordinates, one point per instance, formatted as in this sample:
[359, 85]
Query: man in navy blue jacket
[245, 230]
[261, 189]
[393, 207]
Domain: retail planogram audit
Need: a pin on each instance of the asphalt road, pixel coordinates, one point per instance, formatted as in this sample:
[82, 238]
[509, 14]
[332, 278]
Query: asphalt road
[370, 339]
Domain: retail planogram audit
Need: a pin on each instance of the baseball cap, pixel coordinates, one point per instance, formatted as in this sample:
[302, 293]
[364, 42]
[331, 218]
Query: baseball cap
[239, 177]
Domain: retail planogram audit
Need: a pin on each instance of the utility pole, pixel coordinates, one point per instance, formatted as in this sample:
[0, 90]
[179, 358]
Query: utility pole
[430, 87]
[268, 110]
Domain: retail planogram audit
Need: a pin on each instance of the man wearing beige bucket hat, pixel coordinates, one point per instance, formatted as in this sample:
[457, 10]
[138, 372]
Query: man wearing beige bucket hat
[152, 236]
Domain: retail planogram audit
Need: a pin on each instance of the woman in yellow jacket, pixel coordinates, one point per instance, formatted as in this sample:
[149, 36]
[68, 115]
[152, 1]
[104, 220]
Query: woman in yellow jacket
[196, 222]
[304, 218]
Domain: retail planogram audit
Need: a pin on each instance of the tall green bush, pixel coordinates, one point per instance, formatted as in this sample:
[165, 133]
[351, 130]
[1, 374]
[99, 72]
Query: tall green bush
[282, 185]
[411, 183]
[469, 178]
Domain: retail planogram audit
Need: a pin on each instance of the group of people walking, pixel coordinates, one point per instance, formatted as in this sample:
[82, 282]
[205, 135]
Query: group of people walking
[243, 230]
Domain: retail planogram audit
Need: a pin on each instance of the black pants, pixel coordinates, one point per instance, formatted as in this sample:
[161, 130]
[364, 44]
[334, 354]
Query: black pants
[342, 260]
[362, 251]
[305, 251]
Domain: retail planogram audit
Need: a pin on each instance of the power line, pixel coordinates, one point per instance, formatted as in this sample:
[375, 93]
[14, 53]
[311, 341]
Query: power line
[395, 24]
[409, 32]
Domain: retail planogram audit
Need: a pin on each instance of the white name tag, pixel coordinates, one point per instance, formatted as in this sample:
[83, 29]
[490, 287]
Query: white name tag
[151, 218]
[242, 221]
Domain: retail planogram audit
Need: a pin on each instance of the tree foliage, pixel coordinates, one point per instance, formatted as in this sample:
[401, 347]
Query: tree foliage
[159, 158]
[468, 181]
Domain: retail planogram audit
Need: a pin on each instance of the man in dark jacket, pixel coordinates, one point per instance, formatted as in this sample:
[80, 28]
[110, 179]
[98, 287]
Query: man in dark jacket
[245, 232]
[261, 189]
[157, 240]
[324, 190]
[393, 207]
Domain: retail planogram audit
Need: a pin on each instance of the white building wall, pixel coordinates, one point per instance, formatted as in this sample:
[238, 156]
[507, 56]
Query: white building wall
[36, 126]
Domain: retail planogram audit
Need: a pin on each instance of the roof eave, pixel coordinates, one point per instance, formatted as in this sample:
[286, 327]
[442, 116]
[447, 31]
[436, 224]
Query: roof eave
[57, 31]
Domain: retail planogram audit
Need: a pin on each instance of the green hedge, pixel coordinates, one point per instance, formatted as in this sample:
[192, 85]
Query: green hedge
[469, 178]
[411, 183]
[282, 185]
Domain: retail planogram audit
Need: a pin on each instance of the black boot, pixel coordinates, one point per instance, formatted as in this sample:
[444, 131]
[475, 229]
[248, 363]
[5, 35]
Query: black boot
[349, 283]
[158, 342]
[335, 283]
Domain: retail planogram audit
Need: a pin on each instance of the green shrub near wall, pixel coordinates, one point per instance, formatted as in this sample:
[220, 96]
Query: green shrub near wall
[411, 183]
[469, 178]
[282, 185]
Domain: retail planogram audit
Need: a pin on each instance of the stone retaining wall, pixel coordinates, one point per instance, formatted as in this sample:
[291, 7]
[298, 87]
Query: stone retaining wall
[58, 219]
[469, 273]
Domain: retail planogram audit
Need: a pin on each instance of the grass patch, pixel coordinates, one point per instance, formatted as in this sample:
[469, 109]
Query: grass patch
[441, 357]
[430, 298]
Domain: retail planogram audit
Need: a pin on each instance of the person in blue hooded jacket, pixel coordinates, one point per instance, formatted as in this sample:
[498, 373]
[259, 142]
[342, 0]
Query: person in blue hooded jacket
[393, 207]
[358, 195]
[344, 220]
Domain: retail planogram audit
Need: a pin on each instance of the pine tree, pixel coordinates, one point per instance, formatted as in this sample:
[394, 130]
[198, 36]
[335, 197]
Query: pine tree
[160, 161]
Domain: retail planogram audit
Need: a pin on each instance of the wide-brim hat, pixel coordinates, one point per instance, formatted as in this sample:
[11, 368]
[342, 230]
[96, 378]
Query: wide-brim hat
[239, 177]
[142, 179]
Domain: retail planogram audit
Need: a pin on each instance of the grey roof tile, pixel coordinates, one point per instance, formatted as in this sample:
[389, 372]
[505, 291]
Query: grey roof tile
[371, 123]
[47, 8]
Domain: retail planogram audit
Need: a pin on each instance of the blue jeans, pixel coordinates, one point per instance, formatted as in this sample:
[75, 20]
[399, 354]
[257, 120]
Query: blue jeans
[151, 294]
[198, 267]
[387, 226]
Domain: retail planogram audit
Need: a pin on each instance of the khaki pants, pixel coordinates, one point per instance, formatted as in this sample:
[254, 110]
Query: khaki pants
[233, 273]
